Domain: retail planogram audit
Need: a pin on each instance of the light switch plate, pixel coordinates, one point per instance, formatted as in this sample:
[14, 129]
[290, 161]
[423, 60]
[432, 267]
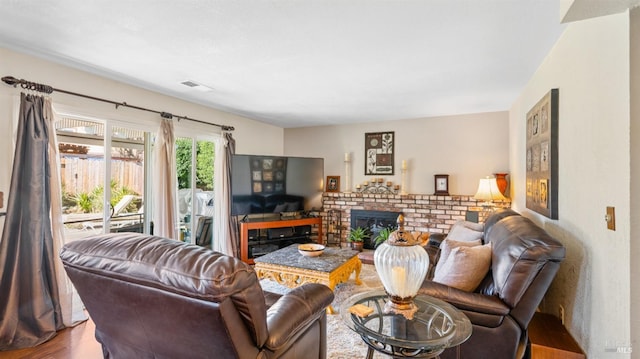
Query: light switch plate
[611, 218]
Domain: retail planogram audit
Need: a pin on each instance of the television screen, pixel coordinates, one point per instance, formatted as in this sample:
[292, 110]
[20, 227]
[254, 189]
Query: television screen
[275, 184]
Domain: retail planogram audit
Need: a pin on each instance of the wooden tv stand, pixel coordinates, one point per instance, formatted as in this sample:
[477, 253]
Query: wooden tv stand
[245, 227]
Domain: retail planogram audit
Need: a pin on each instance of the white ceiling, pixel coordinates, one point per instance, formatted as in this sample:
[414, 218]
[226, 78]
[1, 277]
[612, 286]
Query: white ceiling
[300, 63]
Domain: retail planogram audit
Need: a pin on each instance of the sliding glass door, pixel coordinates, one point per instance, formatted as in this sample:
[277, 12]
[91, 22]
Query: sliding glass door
[104, 180]
[103, 190]
[194, 164]
[126, 180]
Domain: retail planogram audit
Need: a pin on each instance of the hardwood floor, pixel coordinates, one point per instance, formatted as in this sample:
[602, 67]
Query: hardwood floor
[71, 343]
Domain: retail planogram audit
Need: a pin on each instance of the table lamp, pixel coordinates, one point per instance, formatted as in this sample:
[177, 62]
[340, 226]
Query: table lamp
[488, 192]
[402, 265]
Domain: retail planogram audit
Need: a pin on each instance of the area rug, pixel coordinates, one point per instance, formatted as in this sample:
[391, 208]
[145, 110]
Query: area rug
[342, 342]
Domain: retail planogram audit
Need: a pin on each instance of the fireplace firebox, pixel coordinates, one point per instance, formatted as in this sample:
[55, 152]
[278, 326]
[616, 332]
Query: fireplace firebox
[373, 221]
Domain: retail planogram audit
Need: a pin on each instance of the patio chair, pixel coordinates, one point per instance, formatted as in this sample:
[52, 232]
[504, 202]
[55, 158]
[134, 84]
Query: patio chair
[119, 208]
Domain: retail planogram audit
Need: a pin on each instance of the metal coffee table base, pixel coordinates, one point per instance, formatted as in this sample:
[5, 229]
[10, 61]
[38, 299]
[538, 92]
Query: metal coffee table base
[399, 352]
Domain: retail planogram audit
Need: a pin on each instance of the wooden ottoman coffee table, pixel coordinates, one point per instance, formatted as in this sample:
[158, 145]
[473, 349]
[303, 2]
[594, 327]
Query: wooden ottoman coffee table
[290, 268]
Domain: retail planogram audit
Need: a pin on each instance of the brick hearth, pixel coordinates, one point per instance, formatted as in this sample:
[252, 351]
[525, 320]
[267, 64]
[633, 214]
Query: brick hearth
[425, 213]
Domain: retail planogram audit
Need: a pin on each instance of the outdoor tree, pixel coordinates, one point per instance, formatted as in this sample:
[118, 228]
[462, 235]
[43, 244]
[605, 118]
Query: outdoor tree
[183, 162]
[204, 163]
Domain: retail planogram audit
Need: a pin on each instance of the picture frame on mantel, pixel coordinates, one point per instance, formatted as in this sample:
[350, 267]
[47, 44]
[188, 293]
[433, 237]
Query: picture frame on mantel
[379, 151]
[333, 183]
[542, 156]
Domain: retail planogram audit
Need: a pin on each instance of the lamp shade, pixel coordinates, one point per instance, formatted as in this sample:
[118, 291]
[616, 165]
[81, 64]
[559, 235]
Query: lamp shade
[488, 190]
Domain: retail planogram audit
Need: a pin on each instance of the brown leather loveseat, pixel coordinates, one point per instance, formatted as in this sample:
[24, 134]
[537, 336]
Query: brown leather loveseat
[524, 261]
[152, 297]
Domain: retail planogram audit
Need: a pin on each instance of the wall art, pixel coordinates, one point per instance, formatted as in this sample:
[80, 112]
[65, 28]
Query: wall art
[379, 152]
[542, 156]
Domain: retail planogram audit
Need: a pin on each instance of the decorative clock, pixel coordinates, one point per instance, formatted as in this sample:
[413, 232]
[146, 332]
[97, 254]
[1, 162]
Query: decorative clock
[441, 185]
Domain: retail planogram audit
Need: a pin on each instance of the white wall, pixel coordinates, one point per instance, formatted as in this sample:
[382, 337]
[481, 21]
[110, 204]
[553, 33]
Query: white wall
[251, 136]
[590, 66]
[467, 147]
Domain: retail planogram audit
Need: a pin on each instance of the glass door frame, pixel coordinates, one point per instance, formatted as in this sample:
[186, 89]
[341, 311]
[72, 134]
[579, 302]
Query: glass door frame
[109, 123]
[195, 135]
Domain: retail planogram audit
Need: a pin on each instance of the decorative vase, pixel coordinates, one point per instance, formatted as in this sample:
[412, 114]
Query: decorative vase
[501, 180]
[402, 266]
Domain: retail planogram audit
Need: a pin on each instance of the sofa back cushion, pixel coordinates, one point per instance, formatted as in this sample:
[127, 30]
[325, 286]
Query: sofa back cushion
[172, 269]
[520, 249]
[495, 217]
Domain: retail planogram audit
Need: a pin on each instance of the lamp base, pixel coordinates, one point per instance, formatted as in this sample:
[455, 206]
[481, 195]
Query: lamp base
[401, 306]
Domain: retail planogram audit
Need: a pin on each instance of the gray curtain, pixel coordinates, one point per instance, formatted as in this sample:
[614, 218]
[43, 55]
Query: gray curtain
[233, 220]
[30, 311]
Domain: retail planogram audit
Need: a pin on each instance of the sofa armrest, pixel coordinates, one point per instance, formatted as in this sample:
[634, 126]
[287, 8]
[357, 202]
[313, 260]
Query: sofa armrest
[294, 311]
[473, 302]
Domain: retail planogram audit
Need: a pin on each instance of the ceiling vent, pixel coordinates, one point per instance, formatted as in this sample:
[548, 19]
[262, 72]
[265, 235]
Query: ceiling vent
[190, 83]
[197, 86]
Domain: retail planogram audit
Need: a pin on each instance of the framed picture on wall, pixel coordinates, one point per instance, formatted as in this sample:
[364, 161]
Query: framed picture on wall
[379, 150]
[333, 183]
[542, 156]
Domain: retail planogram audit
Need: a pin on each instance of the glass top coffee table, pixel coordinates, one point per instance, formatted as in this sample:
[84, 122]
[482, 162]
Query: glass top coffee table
[436, 326]
[290, 268]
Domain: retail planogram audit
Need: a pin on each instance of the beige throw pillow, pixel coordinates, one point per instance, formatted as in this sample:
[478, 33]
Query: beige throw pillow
[466, 231]
[447, 246]
[465, 267]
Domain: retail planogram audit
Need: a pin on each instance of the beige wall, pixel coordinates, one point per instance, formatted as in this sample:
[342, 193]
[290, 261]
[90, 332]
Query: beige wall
[251, 136]
[635, 176]
[590, 67]
[467, 147]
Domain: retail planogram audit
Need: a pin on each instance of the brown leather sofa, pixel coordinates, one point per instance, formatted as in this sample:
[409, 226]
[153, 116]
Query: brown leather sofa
[152, 297]
[525, 259]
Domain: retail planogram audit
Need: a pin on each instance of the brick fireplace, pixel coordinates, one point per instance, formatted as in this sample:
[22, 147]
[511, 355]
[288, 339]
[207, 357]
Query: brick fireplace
[424, 213]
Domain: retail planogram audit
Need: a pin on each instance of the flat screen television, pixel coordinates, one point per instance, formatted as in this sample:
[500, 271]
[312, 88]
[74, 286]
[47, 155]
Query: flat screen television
[270, 185]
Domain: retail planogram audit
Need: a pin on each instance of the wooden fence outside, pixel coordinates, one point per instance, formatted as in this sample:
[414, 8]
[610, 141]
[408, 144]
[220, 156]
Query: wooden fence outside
[83, 175]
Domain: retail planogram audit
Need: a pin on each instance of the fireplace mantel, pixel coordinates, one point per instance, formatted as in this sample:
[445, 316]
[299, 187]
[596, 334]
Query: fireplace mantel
[422, 212]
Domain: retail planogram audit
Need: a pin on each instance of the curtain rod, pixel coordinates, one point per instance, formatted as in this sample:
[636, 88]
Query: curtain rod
[28, 85]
